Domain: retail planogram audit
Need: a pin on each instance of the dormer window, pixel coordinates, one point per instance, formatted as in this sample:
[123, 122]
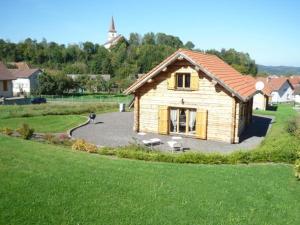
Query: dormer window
[183, 80]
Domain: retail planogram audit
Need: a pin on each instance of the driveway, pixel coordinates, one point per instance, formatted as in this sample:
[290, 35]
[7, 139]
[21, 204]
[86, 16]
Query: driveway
[115, 129]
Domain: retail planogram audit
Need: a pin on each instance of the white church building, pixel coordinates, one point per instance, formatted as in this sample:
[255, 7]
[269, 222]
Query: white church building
[113, 37]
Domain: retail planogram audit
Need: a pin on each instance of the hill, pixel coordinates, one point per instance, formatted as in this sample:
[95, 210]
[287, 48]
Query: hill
[278, 70]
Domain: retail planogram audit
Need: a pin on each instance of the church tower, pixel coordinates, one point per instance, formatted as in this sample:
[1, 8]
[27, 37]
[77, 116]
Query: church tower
[112, 37]
[112, 33]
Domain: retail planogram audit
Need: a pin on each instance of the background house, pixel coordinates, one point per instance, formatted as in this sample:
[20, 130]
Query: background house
[26, 78]
[282, 90]
[297, 94]
[193, 94]
[261, 99]
[295, 82]
[6, 78]
[105, 77]
[280, 87]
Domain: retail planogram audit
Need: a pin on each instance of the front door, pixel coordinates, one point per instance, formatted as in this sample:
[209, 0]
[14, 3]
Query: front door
[182, 121]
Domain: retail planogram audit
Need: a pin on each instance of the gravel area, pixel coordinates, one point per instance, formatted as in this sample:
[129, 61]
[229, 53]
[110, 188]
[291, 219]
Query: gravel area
[115, 129]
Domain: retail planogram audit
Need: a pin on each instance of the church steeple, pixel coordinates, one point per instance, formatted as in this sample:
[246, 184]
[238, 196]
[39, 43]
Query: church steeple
[112, 36]
[112, 26]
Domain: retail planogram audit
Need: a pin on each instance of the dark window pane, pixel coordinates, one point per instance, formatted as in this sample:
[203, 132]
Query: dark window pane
[180, 80]
[187, 81]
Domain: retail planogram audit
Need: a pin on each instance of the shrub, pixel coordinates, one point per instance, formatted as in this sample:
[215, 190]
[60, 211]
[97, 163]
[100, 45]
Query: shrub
[90, 148]
[107, 151]
[48, 137]
[25, 131]
[82, 145]
[62, 139]
[293, 126]
[7, 131]
[297, 167]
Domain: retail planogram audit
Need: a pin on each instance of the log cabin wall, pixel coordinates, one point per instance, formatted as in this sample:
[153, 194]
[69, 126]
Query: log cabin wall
[213, 98]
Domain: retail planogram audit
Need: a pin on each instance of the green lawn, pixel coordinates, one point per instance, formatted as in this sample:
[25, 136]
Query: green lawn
[278, 139]
[12, 111]
[50, 117]
[45, 124]
[45, 184]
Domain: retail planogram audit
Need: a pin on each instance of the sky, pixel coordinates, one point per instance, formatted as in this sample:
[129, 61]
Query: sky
[268, 30]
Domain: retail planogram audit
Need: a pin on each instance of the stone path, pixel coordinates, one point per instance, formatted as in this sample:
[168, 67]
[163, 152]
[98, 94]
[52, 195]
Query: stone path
[115, 129]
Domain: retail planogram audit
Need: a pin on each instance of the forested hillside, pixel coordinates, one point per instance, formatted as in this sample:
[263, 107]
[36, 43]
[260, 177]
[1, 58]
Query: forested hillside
[279, 70]
[130, 57]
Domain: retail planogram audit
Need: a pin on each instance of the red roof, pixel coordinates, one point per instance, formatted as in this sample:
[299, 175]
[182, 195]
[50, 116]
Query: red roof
[5, 74]
[295, 80]
[267, 89]
[23, 73]
[211, 65]
[276, 83]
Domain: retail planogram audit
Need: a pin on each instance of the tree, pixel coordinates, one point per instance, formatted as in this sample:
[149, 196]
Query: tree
[168, 40]
[189, 45]
[134, 39]
[46, 85]
[149, 39]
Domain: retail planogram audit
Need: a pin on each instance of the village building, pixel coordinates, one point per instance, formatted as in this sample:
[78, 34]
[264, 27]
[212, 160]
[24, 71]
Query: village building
[282, 90]
[6, 79]
[297, 94]
[295, 80]
[105, 77]
[26, 79]
[193, 94]
[261, 99]
[113, 37]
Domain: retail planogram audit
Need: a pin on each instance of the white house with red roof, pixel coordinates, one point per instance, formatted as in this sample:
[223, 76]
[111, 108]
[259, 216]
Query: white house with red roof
[26, 79]
[195, 95]
[282, 89]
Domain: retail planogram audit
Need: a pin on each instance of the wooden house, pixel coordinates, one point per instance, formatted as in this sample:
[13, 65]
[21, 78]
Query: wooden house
[193, 94]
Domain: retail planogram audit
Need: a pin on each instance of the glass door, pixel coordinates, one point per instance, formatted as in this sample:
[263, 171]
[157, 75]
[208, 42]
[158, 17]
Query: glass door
[182, 121]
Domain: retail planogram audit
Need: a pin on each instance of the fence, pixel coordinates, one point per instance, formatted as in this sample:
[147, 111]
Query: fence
[88, 98]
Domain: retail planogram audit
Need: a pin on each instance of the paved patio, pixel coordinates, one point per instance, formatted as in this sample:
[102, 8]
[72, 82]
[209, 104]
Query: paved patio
[115, 129]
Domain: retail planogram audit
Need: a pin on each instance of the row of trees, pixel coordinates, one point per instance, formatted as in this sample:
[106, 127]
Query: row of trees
[124, 61]
[60, 84]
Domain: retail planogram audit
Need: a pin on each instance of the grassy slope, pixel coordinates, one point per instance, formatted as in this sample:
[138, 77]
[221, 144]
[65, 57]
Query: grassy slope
[278, 139]
[43, 184]
[45, 124]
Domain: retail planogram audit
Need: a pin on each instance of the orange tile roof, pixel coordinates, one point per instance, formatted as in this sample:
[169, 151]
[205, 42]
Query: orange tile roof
[295, 80]
[267, 89]
[223, 72]
[5, 74]
[211, 65]
[276, 83]
[23, 73]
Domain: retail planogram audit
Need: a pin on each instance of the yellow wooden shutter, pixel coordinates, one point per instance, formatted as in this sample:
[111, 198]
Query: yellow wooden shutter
[163, 120]
[194, 81]
[172, 82]
[201, 124]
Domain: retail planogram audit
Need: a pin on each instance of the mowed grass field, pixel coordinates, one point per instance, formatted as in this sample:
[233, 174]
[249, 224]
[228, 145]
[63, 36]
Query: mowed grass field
[50, 117]
[45, 184]
[45, 124]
